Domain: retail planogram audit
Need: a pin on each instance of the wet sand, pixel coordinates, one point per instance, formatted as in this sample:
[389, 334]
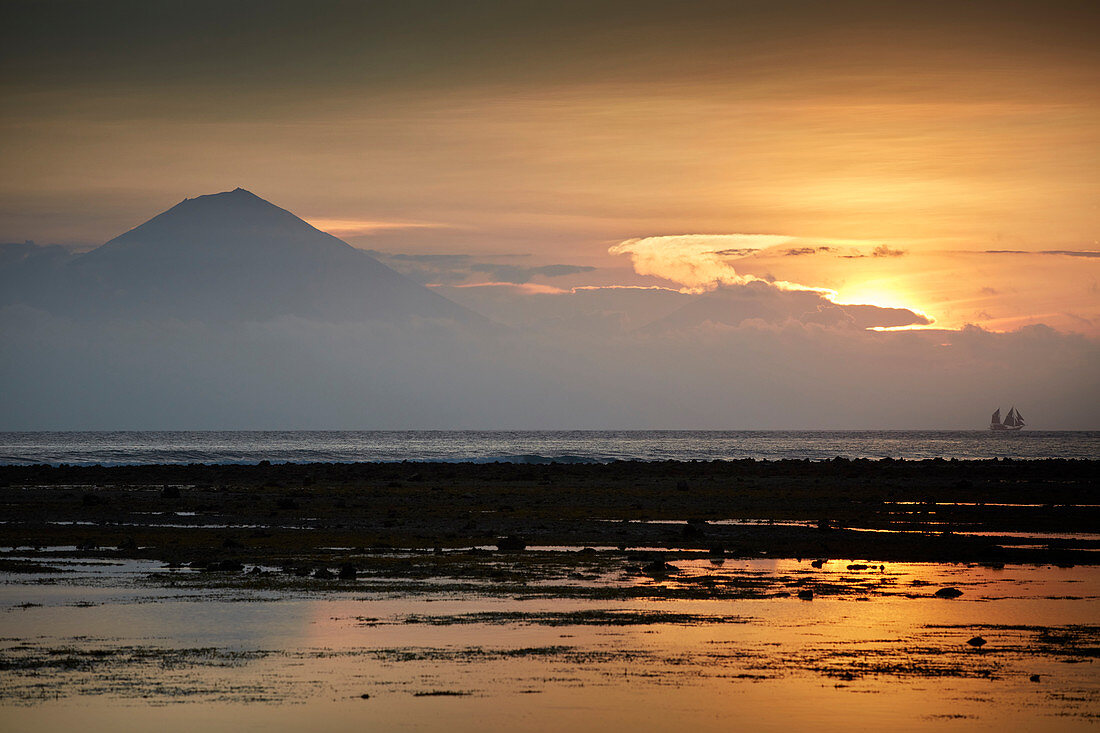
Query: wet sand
[652, 596]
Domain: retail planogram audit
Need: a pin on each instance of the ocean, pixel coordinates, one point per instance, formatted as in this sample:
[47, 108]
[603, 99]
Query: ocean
[567, 446]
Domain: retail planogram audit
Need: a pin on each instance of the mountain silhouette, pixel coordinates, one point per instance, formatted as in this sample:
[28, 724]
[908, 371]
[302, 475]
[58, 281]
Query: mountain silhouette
[235, 256]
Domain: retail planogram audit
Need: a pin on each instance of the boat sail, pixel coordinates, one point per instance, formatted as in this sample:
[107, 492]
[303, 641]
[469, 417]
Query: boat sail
[1013, 420]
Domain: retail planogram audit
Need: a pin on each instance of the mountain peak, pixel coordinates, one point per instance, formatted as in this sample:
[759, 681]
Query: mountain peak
[238, 193]
[234, 255]
[228, 221]
[238, 197]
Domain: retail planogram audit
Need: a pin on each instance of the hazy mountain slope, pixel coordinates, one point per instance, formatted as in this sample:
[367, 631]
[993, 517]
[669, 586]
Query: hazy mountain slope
[234, 256]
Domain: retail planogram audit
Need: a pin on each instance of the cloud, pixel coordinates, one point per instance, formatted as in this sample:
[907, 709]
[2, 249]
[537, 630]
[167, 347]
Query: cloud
[1057, 252]
[760, 302]
[353, 227]
[525, 287]
[802, 251]
[449, 260]
[742, 252]
[456, 269]
[880, 251]
[517, 274]
[696, 261]
[296, 373]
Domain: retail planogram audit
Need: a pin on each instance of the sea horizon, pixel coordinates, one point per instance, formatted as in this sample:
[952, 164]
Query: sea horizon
[144, 447]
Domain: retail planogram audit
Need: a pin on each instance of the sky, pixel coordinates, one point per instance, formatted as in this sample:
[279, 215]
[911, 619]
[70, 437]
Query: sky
[528, 159]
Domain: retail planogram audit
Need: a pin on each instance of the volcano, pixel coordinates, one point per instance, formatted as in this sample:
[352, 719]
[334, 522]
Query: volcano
[234, 256]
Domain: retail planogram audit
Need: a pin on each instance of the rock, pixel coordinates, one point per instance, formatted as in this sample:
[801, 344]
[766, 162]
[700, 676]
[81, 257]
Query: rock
[818, 563]
[511, 544]
[659, 567]
[692, 532]
[587, 551]
[347, 571]
[323, 574]
[364, 696]
[806, 595]
[857, 566]
[948, 593]
[1034, 678]
[170, 492]
[977, 642]
[225, 566]
[717, 551]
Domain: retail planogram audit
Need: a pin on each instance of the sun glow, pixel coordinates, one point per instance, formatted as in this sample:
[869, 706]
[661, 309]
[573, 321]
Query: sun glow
[884, 294]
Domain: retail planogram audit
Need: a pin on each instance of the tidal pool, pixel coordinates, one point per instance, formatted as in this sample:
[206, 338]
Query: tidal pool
[105, 646]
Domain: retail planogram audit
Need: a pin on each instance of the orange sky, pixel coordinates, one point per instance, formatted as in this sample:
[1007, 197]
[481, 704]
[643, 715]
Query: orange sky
[558, 131]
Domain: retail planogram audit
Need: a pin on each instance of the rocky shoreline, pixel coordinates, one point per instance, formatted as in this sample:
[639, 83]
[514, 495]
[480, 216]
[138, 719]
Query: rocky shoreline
[297, 515]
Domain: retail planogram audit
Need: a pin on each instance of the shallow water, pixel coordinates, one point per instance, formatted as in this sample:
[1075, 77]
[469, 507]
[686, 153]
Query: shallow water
[98, 647]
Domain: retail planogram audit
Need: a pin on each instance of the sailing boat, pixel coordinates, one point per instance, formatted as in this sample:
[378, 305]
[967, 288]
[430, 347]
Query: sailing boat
[1013, 420]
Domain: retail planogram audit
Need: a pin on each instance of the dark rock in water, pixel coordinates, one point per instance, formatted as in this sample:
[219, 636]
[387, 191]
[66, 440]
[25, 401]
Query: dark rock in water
[364, 696]
[948, 593]
[806, 595]
[1034, 678]
[825, 524]
[92, 500]
[977, 642]
[692, 532]
[818, 563]
[347, 571]
[225, 566]
[587, 551]
[511, 544]
[857, 566]
[323, 574]
[659, 567]
[170, 492]
[256, 570]
[717, 551]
